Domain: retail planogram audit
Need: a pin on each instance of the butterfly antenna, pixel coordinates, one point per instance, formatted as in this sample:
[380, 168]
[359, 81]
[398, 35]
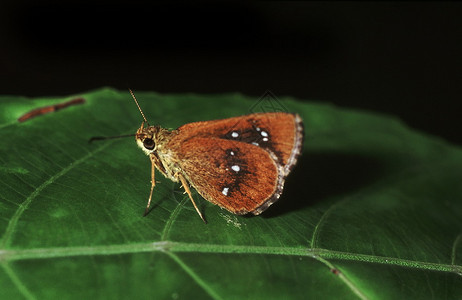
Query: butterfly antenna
[99, 138]
[139, 108]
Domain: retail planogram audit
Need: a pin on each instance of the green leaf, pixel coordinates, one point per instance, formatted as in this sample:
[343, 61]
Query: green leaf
[373, 210]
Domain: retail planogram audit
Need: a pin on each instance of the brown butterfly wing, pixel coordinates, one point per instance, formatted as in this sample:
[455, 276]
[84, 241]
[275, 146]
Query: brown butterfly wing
[278, 133]
[234, 175]
[263, 148]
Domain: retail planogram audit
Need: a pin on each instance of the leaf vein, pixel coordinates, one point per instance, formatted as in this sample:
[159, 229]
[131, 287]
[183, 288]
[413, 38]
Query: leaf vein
[321, 222]
[6, 240]
[178, 247]
[194, 276]
[172, 218]
[457, 241]
[17, 282]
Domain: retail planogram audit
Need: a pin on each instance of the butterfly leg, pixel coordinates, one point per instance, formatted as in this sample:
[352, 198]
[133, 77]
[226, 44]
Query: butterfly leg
[186, 188]
[153, 183]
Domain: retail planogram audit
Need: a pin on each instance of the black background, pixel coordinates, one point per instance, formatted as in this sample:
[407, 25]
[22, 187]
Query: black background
[400, 58]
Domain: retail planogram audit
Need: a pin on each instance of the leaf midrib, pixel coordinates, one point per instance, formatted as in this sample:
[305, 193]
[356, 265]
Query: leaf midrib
[182, 247]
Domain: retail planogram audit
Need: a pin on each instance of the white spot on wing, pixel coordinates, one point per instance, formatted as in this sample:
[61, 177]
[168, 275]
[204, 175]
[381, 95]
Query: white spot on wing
[225, 191]
[236, 168]
[256, 144]
[265, 139]
[264, 133]
[232, 152]
[234, 134]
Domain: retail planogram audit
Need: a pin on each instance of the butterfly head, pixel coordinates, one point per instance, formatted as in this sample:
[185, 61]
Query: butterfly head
[146, 138]
[151, 138]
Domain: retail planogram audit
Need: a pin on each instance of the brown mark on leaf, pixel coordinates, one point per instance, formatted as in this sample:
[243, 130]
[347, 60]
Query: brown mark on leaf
[335, 271]
[48, 109]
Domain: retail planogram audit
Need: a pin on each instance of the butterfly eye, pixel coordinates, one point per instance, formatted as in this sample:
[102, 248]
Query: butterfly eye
[148, 144]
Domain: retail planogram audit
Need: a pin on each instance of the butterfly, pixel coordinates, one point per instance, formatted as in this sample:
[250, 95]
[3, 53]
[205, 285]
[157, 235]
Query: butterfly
[239, 164]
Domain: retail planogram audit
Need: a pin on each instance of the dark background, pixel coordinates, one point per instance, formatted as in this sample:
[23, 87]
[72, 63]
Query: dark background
[400, 58]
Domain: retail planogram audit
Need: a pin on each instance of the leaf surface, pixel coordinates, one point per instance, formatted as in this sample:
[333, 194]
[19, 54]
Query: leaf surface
[373, 210]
